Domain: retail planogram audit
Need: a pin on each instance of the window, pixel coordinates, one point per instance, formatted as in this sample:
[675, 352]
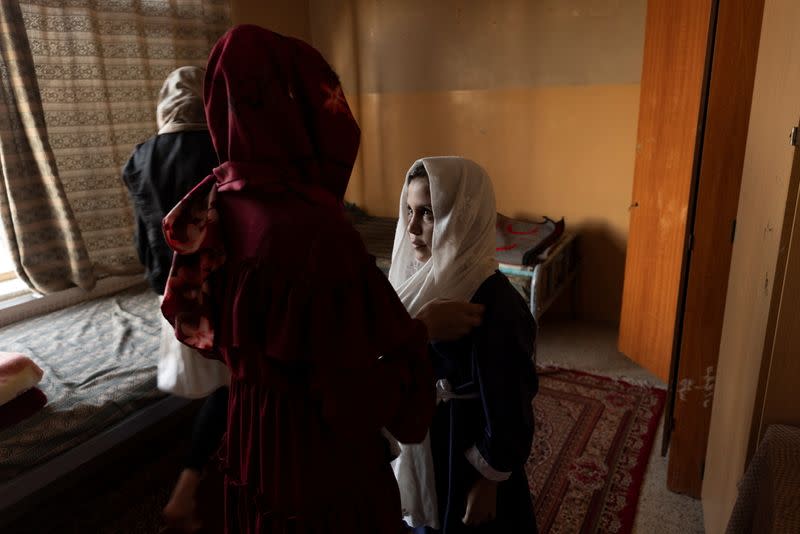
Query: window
[11, 286]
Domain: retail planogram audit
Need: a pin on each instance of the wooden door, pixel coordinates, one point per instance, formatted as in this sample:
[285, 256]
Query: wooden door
[672, 94]
[733, 66]
[692, 135]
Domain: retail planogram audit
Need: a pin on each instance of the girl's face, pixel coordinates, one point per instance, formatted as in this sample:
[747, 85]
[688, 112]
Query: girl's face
[420, 218]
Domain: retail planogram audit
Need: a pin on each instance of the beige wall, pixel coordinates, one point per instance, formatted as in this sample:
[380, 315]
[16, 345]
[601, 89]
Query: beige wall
[544, 94]
[289, 17]
[531, 142]
[762, 205]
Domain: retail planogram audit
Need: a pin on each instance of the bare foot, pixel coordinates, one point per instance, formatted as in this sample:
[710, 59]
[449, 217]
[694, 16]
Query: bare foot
[180, 511]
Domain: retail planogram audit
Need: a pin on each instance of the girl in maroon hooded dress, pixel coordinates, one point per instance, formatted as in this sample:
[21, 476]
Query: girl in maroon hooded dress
[270, 277]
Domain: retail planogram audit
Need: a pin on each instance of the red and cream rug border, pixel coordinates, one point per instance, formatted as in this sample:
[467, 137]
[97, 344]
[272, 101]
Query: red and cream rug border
[592, 444]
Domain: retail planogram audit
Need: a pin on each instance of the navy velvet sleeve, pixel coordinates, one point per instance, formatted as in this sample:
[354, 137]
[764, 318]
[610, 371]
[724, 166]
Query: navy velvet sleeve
[504, 366]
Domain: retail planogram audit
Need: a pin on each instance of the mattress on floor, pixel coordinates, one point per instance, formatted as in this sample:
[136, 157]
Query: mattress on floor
[378, 236]
[99, 360]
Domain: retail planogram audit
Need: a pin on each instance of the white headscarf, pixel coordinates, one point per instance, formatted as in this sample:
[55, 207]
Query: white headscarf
[463, 247]
[180, 101]
[462, 258]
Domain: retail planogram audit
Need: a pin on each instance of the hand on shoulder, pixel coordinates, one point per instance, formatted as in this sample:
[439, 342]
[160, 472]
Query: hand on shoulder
[447, 320]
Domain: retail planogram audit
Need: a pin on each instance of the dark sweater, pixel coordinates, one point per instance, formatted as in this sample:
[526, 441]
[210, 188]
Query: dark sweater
[158, 175]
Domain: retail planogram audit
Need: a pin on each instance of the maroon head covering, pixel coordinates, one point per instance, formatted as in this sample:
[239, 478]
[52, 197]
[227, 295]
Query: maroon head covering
[279, 122]
[274, 104]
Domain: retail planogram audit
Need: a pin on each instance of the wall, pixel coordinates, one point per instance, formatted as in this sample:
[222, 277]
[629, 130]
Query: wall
[762, 206]
[545, 95]
[289, 17]
[778, 399]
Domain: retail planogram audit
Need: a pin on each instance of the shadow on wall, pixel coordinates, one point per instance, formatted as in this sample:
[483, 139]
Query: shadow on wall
[601, 275]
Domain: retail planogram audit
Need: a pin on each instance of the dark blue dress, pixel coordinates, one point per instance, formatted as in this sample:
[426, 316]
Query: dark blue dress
[494, 365]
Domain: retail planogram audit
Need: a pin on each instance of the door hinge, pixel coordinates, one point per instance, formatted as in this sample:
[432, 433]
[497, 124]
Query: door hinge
[793, 136]
[733, 230]
[690, 244]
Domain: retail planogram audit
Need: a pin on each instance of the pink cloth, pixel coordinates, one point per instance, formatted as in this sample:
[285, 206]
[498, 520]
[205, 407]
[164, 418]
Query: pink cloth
[12, 363]
[19, 398]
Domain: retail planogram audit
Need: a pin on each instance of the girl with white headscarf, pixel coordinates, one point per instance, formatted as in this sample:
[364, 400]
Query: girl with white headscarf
[159, 173]
[468, 475]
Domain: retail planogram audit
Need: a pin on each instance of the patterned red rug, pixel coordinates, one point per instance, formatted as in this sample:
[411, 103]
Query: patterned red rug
[593, 440]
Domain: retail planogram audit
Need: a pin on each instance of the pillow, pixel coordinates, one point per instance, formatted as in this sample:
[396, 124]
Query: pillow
[18, 374]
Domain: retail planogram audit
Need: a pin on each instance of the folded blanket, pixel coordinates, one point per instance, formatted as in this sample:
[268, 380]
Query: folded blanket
[520, 243]
[18, 374]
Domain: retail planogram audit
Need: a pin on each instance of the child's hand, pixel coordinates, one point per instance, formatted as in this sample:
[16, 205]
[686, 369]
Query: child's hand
[448, 320]
[481, 503]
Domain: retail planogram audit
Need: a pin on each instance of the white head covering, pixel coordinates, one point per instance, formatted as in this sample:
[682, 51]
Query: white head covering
[180, 101]
[463, 247]
[462, 258]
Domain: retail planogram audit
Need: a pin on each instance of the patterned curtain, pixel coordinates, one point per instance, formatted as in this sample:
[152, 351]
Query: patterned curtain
[41, 231]
[99, 66]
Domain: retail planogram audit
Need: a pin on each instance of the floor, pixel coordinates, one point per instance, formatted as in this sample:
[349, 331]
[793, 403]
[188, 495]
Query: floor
[591, 347]
[131, 503]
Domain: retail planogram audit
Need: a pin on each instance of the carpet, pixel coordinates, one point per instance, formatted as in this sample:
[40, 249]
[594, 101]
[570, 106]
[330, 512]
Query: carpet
[592, 443]
[590, 452]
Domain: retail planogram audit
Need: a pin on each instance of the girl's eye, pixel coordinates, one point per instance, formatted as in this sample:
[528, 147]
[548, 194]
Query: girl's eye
[428, 214]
